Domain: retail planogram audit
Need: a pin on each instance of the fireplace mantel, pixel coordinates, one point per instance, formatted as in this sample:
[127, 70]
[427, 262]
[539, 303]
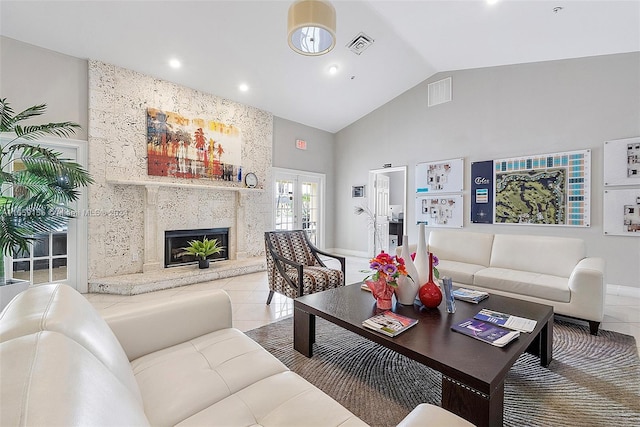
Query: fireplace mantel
[153, 251]
[144, 183]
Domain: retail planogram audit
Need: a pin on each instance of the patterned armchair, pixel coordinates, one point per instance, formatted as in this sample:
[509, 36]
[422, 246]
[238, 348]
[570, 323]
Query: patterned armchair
[294, 267]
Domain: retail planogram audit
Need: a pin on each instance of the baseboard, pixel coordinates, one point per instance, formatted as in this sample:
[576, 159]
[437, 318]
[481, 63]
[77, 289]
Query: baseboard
[624, 291]
[348, 252]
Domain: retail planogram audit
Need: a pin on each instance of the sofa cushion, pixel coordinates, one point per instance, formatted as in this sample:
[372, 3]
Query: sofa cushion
[283, 399]
[62, 309]
[556, 256]
[49, 379]
[459, 272]
[466, 247]
[537, 285]
[184, 379]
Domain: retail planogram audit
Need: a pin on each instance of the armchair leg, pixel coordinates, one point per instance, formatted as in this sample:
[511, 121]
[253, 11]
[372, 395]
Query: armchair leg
[593, 327]
[269, 297]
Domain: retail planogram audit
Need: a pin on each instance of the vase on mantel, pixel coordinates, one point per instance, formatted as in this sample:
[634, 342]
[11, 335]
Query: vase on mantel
[429, 293]
[407, 290]
[421, 260]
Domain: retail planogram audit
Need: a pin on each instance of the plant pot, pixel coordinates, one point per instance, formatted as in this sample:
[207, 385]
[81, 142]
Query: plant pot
[203, 263]
[9, 288]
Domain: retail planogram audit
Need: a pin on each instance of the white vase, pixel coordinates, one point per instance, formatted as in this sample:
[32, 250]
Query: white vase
[407, 289]
[422, 257]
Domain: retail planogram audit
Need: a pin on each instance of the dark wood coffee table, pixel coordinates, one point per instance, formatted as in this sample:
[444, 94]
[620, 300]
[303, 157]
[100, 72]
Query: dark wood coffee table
[473, 372]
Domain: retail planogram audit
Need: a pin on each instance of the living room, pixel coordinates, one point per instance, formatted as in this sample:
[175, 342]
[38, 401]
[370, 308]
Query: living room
[544, 105]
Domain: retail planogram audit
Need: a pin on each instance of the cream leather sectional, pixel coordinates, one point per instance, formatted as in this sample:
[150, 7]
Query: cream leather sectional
[544, 269]
[167, 363]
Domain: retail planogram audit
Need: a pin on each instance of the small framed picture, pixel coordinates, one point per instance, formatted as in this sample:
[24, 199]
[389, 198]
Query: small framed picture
[357, 191]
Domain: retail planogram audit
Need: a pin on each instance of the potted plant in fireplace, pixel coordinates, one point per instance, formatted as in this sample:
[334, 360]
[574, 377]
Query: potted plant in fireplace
[201, 249]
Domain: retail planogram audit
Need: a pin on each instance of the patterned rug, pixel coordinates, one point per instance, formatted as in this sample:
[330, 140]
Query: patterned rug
[592, 380]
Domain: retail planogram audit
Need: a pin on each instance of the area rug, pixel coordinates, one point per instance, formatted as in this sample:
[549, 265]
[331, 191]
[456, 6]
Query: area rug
[592, 380]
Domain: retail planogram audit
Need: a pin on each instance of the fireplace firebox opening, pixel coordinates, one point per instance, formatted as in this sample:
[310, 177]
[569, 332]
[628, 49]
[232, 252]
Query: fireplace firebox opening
[176, 240]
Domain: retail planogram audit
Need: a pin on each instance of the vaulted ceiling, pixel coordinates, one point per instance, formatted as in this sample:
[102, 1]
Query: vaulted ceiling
[222, 44]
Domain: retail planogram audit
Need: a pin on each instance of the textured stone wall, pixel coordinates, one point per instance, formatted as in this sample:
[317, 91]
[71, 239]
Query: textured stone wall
[118, 99]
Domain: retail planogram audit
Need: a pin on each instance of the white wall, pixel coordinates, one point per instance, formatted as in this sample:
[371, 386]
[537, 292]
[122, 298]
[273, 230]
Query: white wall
[502, 112]
[30, 75]
[318, 157]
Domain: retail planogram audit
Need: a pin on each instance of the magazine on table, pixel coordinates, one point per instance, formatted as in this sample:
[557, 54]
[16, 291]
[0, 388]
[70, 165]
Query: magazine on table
[469, 295]
[521, 324]
[389, 323]
[487, 332]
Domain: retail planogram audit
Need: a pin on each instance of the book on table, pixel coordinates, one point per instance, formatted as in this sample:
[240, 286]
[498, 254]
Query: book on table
[389, 323]
[521, 324]
[486, 332]
[469, 295]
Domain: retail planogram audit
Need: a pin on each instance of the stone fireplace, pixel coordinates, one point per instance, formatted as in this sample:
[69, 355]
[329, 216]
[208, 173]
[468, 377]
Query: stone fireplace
[176, 240]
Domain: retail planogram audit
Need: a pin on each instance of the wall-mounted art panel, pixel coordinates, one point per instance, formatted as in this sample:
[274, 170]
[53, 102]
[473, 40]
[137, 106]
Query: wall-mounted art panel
[621, 213]
[622, 162]
[545, 189]
[190, 147]
[440, 211]
[445, 176]
[482, 192]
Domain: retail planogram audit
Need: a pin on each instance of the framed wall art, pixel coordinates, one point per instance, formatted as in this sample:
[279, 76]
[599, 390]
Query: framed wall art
[357, 191]
[445, 176]
[545, 189]
[440, 211]
[621, 213]
[622, 162]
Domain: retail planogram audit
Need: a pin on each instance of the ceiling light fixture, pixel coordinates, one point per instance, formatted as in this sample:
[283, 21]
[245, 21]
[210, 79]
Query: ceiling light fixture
[492, 2]
[333, 69]
[243, 87]
[174, 63]
[312, 27]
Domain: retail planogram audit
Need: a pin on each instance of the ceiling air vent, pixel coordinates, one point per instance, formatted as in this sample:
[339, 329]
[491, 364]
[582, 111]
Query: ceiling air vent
[360, 43]
[439, 92]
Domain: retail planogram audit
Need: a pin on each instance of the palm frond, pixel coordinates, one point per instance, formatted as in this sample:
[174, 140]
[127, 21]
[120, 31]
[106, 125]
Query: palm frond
[31, 132]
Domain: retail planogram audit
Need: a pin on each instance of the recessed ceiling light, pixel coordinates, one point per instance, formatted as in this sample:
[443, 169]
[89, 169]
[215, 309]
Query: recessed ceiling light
[243, 87]
[174, 63]
[333, 69]
[492, 1]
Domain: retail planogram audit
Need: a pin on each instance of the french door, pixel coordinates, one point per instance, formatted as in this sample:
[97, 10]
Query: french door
[58, 256]
[298, 203]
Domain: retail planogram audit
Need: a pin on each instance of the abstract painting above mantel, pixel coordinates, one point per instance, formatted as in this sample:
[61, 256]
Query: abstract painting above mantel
[184, 147]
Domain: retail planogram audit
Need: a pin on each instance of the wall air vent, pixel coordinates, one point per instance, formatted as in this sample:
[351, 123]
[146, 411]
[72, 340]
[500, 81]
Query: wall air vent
[439, 92]
[360, 43]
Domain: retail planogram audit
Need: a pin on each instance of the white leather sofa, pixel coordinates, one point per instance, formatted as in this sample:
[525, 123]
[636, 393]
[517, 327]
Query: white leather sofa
[544, 269]
[172, 363]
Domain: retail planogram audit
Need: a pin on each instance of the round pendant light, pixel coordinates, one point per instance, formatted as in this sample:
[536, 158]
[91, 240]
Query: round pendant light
[312, 27]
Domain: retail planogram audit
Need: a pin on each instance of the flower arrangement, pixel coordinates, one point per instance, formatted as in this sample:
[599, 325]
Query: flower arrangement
[387, 268]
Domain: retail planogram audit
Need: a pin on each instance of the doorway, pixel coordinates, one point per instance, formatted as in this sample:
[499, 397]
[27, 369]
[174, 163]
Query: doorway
[298, 203]
[58, 256]
[388, 202]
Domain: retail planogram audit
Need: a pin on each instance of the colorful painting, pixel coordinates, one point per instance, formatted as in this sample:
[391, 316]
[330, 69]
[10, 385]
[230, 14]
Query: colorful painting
[548, 189]
[183, 147]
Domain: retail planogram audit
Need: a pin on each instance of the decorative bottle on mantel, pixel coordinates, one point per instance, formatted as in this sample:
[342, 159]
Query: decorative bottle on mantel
[407, 289]
[422, 257]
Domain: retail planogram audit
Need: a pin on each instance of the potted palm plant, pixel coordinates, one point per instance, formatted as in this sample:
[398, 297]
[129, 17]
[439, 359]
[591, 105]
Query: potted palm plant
[35, 197]
[201, 249]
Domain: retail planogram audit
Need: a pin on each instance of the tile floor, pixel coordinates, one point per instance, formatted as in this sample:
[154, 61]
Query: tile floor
[249, 293]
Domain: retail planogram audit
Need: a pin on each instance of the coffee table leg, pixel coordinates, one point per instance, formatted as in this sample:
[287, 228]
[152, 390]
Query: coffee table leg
[474, 406]
[546, 343]
[304, 331]
[542, 345]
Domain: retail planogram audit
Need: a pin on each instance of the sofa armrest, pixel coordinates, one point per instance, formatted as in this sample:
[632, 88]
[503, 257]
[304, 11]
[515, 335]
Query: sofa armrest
[587, 286]
[155, 325]
[431, 415]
